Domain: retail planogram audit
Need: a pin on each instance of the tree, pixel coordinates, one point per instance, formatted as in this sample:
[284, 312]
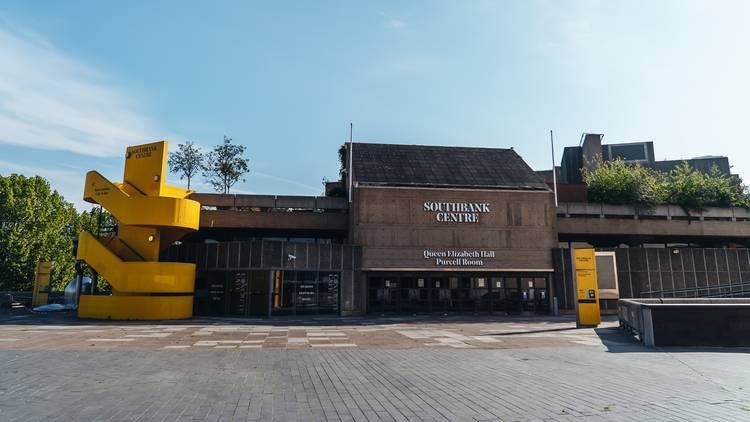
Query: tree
[616, 182]
[225, 166]
[36, 224]
[98, 222]
[694, 191]
[187, 161]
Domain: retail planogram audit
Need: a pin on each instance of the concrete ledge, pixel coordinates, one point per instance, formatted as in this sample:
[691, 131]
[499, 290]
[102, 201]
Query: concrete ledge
[687, 322]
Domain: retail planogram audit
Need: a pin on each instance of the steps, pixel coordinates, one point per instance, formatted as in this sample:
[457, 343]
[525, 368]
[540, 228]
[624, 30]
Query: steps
[151, 215]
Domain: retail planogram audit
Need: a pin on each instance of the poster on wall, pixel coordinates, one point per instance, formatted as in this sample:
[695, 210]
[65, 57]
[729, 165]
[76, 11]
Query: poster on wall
[306, 294]
[239, 297]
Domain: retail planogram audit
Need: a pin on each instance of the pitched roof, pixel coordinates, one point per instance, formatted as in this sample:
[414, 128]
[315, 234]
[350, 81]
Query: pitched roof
[435, 166]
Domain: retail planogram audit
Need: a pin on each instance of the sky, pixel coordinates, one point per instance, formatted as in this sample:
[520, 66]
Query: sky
[80, 80]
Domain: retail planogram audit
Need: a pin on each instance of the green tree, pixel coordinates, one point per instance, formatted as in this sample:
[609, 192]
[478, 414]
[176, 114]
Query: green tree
[36, 224]
[694, 191]
[100, 223]
[97, 221]
[187, 161]
[225, 166]
[616, 182]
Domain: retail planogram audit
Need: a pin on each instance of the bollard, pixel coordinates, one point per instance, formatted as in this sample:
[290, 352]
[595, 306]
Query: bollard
[555, 308]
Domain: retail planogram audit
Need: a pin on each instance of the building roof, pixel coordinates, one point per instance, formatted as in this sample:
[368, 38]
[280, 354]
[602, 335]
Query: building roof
[701, 164]
[435, 166]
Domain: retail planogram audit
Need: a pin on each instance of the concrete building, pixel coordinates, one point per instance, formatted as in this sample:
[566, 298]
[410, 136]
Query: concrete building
[448, 229]
[591, 150]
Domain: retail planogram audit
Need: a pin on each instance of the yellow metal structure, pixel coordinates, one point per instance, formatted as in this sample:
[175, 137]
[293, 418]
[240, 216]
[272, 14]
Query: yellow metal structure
[42, 282]
[150, 215]
[587, 290]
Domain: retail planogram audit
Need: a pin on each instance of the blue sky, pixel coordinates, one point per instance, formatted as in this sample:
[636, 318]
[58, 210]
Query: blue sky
[79, 80]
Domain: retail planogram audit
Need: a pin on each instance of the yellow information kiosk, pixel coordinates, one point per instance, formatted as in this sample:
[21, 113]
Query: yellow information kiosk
[151, 215]
[587, 291]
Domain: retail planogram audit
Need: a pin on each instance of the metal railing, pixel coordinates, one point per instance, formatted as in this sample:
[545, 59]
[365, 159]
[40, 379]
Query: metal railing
[741, 289]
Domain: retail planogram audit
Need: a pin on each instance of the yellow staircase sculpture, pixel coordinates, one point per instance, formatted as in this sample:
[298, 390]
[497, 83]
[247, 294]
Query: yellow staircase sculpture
[151, 215]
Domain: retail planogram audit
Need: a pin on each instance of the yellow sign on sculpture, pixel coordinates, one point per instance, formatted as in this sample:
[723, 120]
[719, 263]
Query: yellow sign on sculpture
[150, 216]
[587, 291]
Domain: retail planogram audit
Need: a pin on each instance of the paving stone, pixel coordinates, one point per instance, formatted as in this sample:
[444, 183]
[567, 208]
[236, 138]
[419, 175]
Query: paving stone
[518, 369]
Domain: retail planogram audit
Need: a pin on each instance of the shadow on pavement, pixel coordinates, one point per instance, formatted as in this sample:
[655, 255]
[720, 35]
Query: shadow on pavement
[545, 330]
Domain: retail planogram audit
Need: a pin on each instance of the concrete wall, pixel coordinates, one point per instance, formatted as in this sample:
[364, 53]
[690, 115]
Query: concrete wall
[687, 322]
[623, 223]
[586, 227]
[394, 230]
[278, 220]
[270, 201]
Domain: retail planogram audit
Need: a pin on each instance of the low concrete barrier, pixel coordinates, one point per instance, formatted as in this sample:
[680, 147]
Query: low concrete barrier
[687, 322]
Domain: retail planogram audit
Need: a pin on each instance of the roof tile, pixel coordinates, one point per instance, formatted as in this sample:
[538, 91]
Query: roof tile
[436, 166]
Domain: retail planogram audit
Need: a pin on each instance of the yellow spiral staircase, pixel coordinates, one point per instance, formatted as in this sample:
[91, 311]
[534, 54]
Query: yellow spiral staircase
[151, 215]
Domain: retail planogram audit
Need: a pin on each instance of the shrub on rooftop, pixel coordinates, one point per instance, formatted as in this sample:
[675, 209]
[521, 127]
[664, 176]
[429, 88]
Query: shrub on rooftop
[617, 182]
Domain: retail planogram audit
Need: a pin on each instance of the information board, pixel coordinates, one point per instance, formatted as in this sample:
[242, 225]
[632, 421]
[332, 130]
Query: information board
[306, 296]
[240, 293]
[587, 292]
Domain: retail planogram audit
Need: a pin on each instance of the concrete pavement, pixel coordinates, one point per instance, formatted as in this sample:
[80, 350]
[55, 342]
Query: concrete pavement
[448, 369]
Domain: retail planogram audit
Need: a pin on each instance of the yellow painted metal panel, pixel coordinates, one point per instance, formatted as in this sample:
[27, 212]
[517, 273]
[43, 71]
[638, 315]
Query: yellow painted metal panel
[135, 307]
[587, 291]
[146, 167]
[144, 241]
[175, 191]
[139, 276]
[140, 210]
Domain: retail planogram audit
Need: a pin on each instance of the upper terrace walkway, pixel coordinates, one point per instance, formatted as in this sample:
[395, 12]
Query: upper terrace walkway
[582, 221]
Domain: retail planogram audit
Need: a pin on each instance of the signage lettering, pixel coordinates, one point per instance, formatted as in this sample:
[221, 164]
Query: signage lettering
[141, 152]
[456, 212]
[458, 258]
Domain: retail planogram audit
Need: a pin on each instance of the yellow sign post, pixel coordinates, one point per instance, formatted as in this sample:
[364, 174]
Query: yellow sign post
[42, 283]
[587, 291]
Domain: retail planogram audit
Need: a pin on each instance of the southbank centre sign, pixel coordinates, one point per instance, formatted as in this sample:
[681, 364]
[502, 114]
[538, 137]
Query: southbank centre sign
[456, 212]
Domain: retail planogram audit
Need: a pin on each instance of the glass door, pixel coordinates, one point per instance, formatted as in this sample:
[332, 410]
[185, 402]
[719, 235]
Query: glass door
[328, 293]
[513, 295]
[440, 294]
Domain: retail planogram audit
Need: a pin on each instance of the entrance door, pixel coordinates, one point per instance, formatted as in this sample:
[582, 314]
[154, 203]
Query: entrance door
[259, 289]
[498, 299]
[513, 295]
[305, 292]
[248, 293]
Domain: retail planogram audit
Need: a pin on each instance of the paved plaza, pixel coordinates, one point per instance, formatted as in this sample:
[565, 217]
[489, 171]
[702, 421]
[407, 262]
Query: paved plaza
[421, 369]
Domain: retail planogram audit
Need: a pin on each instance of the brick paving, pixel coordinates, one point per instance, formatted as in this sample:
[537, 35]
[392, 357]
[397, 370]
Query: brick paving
[37, 332]
[449, 370]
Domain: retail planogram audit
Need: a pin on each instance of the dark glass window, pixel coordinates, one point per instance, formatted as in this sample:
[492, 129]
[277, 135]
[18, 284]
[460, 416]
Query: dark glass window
[631, 152]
